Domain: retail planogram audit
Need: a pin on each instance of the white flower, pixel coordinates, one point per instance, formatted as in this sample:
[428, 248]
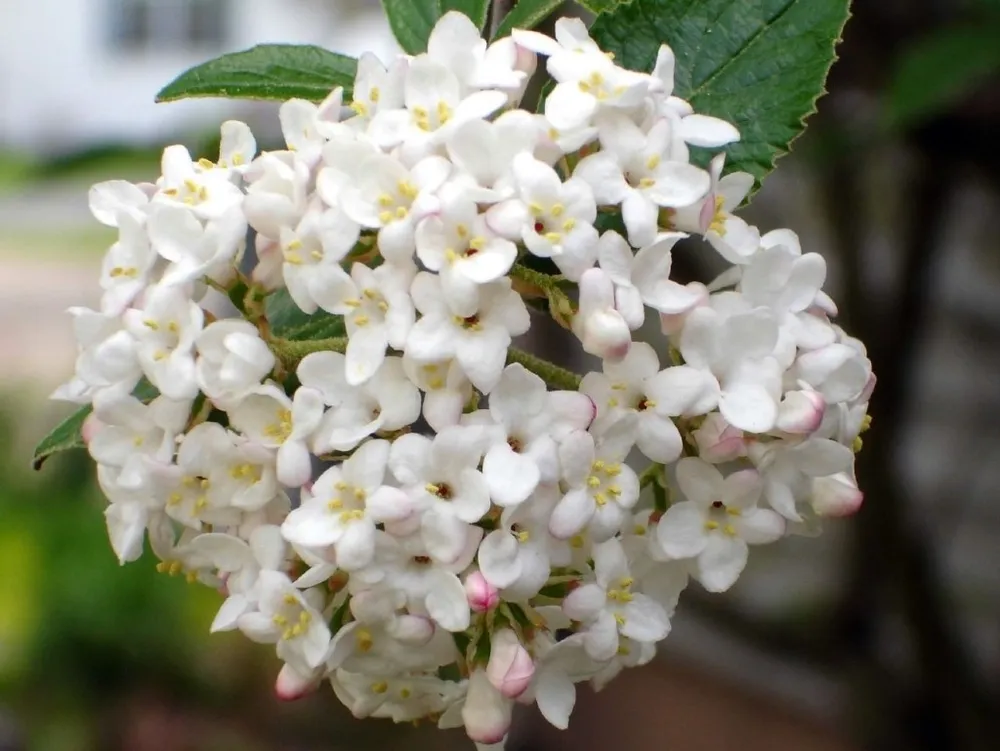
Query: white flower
[486, 712]
[237, 146]
[128, 265]
[307, 126]
[286, 617]
[107, 358]
[836, 496]
[447, 390]
[552, 218]
[241, 472]
[267, 416]
[518, 557]
[130, 429]
[644, 278]
[600, 486]
[276, 194]
[166, 329]
[458, 244]
[197, 249]
[838, 371]
[434, 106]
[401, 698]
[111, 199]
[456, 43]
[608, 607]
[601, 328]
[386, 196]
[478, 341]
[733, 238]
[232, 358]
[485, 150]
[446, 488]
[717, 521]
[642, 172]
[377, 88]
[632, 386]
[343, 506]
[312, 253]
[386, 402]
[787, 469]
[588, 81]
[207, 193]
[130, 510]
[729, 364]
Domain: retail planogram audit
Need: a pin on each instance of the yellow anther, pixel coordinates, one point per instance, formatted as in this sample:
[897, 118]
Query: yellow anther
[383, 306]
[477, 243]
[191, 185]
[201, 503]
[359, 107]
[857, 445]
[620, 619]
[649, 403]
[401, 212]
[150, 324]
[522, 536]
[553, 237]
[718, 223]
[191, 577]
[444, 112]
[626, 582]
[612, 402]
[557, 210]
[374, 94]
[594, 481]
[170, 192]
[293, 258]
[189, 481]
[385, 217]
[335, 504]
[385, 200]
[420, 112]
[653, 162]
[380, 688]
[711, 525]
[866, 422]
[730, 530]
[614, 491]
[174, 499]
[238, 160]
[462, 231]
[289, 599]
[638, 530]
[600, 499]
[584, 87]
[576, 541]
[435, 383]
[598, 465]
[316, 254]
[647, 182]
[450, 255]
[613, 470]
[432, 488]
[569, 225]
[159, 355]
[361, 319]
[352, 303]
[733, 511]
[364, 639]
[370, 293]
[404, 693]
[536, 208]
[280, 621]
[341, 485]
[360, 494]
[622, 649]
[203, 193]
[424, 124]
[407, 189]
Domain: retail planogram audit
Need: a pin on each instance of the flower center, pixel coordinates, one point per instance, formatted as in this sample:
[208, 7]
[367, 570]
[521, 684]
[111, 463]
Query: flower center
[601, 481]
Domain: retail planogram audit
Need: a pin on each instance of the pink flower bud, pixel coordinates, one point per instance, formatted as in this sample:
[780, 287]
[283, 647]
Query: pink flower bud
[599, 326]
[267, 272]
[510, 668]
[801, 412]
[91, 427]
[292, 685]
[836, 496]
[482, 595]
[718, 441]
[486, 713]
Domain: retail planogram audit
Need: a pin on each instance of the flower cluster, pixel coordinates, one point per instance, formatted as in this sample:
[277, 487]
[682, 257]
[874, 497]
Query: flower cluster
[436, 523]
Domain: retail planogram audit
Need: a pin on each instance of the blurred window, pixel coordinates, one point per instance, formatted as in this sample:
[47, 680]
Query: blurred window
[168, 24]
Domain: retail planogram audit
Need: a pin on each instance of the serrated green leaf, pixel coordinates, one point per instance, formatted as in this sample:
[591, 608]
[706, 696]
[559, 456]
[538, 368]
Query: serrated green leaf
[940, 69]
[66, 436]
[411, 22]
[759, 65]
[477, 10]
[287, 320]
[527, 14]
[267, 71]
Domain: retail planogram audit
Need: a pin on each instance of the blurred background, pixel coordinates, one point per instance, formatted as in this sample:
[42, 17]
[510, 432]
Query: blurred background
[883, 634]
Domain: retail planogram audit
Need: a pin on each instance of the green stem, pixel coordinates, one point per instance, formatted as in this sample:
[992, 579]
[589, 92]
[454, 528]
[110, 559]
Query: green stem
[291, 352]
[551, 373]
[653, 473]
[545, 282]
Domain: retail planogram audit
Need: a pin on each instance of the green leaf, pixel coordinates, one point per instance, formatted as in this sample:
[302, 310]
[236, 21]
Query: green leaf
[602, 6]
[66, 436]
[411, 22]
[477, 10]
[940, 69]
[267, 71]
[527, 14]
[759, 65]
[289, 322]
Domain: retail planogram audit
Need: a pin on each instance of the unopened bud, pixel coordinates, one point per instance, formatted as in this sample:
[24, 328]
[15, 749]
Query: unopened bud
[510, 668]
[801, 412]
[292, 685]
[487, 713]
[836, 496]
[482, 595]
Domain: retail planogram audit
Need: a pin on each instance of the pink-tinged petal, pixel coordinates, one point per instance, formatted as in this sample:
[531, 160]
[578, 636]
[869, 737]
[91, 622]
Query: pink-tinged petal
[573, 512]
[721, 562]
[510, 667]
[836, 496]
[486, 713]
[801, 412]
[699, 481]
[681, 531]
[482, 595]
[292, 685]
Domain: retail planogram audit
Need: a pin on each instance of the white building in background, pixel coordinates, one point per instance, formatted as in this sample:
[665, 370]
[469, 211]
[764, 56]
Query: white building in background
[75, 73]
